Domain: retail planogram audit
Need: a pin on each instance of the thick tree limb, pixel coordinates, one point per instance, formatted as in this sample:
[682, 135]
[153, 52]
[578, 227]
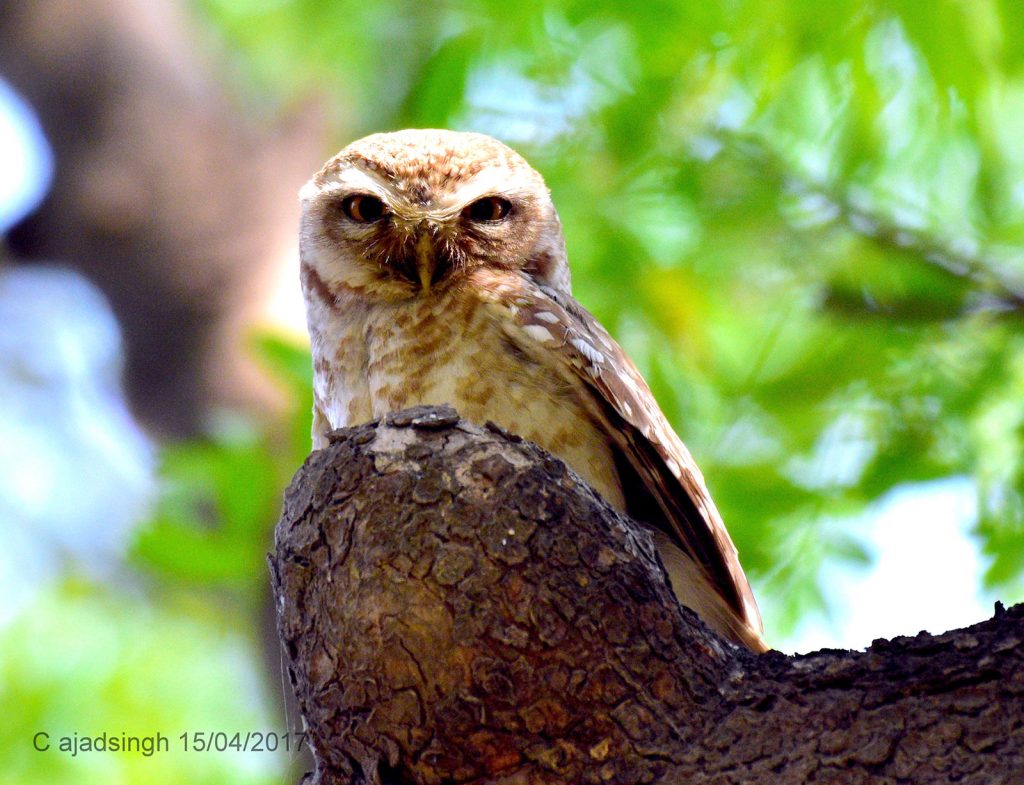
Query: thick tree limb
[458, 607]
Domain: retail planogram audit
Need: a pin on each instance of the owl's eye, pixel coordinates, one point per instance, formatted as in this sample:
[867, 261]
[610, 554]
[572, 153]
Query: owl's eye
[364, 209]
[490, 208]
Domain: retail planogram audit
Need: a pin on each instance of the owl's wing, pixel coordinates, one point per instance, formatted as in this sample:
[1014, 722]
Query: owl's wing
[545, 322]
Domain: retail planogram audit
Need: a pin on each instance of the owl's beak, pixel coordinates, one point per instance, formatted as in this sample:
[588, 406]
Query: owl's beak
[426, 273]
[427, 262]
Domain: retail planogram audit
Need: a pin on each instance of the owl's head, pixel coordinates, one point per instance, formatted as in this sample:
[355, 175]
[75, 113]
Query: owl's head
[413, 213]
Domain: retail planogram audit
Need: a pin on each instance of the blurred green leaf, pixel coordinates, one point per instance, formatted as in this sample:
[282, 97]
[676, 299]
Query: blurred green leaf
[435, 97]
[221, 495]
[134, 667]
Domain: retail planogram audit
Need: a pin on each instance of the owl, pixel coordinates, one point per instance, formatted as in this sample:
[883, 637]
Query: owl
[434, 271]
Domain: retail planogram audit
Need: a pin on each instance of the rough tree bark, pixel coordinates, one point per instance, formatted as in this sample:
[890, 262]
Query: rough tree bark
[458, 607]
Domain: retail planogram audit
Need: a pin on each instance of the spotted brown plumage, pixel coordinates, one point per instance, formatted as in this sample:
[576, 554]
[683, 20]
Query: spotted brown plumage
[434, 271]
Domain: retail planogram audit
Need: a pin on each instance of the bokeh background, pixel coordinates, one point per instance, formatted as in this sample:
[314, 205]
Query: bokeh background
[804, 221]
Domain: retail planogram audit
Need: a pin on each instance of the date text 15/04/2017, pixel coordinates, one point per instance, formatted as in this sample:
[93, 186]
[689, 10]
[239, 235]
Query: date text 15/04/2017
[190, 741]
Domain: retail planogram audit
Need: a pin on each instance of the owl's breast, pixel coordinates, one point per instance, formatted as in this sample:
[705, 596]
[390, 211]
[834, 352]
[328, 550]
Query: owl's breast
[452, 350]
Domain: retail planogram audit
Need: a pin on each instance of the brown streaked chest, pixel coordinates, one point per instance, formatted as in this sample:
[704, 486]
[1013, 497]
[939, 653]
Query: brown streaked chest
[453, 349]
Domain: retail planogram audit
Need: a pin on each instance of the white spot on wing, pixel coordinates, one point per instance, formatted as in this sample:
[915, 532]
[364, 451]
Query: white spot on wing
[546, 316]
[588, 351]
[539, 333]
[631, 385]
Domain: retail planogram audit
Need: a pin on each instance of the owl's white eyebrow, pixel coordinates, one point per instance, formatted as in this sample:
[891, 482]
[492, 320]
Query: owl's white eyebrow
[487, 182]
[354, 179]
[490, 181]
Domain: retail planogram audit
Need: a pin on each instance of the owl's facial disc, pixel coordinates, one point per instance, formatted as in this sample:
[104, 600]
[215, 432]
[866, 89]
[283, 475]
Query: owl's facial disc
[422, 245]
[413, 248]
[445, 241]
[414, 213]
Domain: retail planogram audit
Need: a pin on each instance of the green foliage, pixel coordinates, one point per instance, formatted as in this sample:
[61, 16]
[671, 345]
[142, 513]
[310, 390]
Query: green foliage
[221, 495]
[804, 220]
[89, 660]
[175, 655]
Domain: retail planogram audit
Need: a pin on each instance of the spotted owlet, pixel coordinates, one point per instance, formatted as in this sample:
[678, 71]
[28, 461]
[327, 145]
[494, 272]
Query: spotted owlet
[434, 271]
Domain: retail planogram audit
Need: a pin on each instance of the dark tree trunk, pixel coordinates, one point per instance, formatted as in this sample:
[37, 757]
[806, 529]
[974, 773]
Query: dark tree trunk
[458, 607]
[166, 194]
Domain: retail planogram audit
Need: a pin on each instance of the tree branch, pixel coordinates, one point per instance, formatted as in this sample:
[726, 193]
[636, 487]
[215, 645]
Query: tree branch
[991, 275]
[458, 607]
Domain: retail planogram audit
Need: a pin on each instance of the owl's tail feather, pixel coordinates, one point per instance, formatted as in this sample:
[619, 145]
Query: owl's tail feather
[694, 589]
